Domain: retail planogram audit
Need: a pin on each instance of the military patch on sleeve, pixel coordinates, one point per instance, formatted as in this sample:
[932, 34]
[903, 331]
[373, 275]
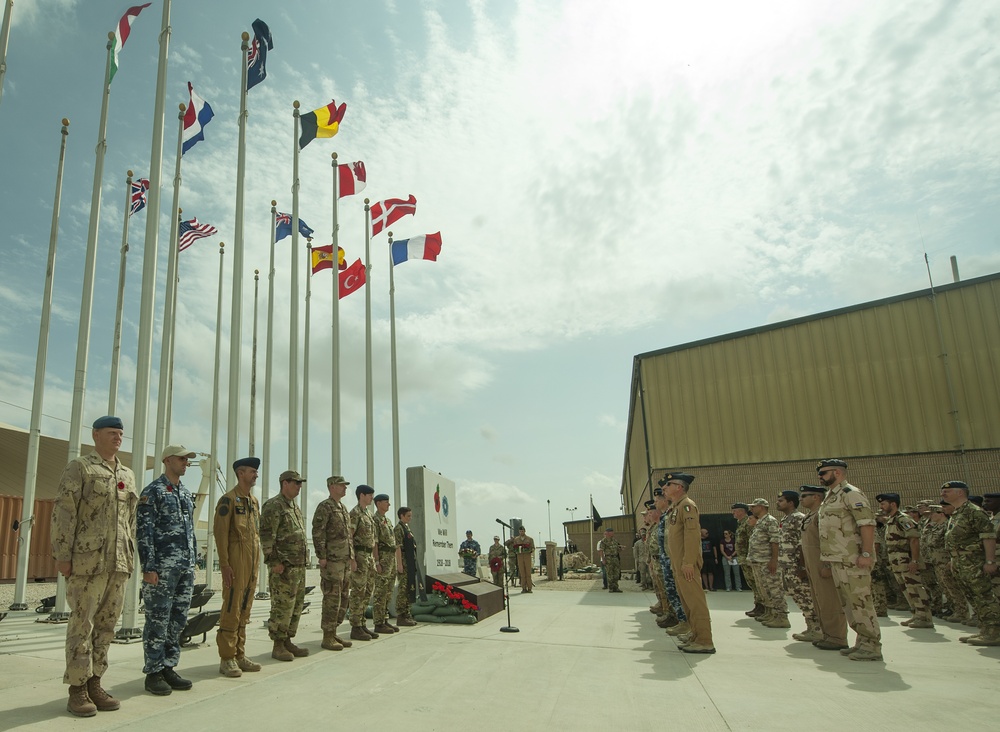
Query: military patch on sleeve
[224, 501]
[224, 510]
[859, 505]
[143, 498]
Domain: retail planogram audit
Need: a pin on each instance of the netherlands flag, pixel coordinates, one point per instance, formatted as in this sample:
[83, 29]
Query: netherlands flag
[427, 246]
[198, 114]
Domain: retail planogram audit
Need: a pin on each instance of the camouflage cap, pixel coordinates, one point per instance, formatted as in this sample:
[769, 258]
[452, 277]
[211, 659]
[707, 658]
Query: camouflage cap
[291, 475]
[830, 463]
[760, 502]
[337, 480]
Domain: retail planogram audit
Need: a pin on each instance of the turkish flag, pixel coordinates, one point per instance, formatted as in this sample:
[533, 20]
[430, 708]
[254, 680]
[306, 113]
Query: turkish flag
[352, 279]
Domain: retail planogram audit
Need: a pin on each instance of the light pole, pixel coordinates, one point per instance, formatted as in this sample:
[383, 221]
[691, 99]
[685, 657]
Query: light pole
[548, 506]
[571, 511]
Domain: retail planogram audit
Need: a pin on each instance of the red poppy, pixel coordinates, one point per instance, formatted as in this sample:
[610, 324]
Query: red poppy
[121, 485]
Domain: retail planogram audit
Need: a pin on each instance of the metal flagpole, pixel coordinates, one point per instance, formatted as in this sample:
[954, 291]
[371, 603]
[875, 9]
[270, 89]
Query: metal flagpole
[253, 364]
[591, 527]
[304, 468]
[147, 297]
[262, 593]
[169, 301]
[335, 318]
[369, 405]
[392, 362]
[35, 431]
[293, 328]
[116, 347]
[214, 440]
[236, 311]
[89, 270]
[4, 37]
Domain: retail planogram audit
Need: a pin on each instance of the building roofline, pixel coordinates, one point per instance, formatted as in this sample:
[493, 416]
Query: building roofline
[817, 316]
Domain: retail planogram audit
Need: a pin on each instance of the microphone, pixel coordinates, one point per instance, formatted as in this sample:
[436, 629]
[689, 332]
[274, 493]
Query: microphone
[502, 523]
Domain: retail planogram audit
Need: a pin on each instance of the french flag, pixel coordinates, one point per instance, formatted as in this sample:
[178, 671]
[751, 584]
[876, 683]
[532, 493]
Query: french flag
[427, 246]
[198, 114]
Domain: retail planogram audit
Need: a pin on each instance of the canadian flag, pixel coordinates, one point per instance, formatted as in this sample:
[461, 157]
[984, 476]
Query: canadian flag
[387, 212]
[352, 178]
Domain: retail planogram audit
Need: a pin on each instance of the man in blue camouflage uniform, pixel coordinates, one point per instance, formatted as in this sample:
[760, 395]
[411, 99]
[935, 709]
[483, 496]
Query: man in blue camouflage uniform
[167, 551]
[469, 550]
[669, 586]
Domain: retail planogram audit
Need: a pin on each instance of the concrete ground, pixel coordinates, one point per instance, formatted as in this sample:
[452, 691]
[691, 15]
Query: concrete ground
[583, 660]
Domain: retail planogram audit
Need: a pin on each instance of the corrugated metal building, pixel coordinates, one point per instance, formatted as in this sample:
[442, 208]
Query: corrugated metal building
[906, 389]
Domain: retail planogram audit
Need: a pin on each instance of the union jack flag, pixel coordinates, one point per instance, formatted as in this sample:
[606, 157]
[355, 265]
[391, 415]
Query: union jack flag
[139, 190]
[191, 231]
[283, 227]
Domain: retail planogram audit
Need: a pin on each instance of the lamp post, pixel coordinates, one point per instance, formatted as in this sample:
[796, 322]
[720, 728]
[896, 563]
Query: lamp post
[548, 506]
[571, 511]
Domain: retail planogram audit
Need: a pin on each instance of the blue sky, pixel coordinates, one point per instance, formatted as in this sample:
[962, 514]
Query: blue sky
[609, 178]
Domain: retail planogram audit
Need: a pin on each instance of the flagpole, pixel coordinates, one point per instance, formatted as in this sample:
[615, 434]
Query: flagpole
[253, 363]
[169, 301]
[591, 527]
[4, 37]
[335, 318]
[293, 328]
[392, 366]
[89, 269]
[214, 440]
[304, 468]
[262, 593]
[369, 405]
[147, 297]
[35, 431]
[236, 311]
[116, 347]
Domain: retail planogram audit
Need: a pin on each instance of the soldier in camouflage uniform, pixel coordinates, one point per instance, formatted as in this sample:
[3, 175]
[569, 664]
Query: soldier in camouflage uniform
[933, 550]
[826, 601]
[469, 551]
[764, 544]
[167, 553]
[390, 563]
[794, 578]
[408, 574]
[928, 571]
[283, 542]
[881, 571]
[640, 553]
[847, 542]
[93, 535]
[363, 564]
[902, 542]
[652, 518]
[237, 539]
[331, 535]
[497, 553]
[524, 548]
[609, 552]
[744, 529]
[971, 542]
[991, 504]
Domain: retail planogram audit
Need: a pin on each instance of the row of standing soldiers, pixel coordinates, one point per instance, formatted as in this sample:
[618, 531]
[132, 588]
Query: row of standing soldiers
[361, 556]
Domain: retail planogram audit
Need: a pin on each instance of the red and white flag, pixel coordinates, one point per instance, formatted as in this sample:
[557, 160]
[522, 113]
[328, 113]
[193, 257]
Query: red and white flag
[352, 178]
[352, 278]
[121, 34]
[191, 231]
[387, 212]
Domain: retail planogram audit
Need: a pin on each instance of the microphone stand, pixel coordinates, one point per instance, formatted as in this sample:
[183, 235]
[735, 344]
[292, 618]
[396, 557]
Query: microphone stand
[506, 586]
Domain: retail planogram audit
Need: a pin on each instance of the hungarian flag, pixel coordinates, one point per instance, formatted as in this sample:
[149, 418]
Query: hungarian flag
[283, 227]
[322, 258]
[352, 279]
[198, 114]
[139, 190]
[427, 246]
[257, 54]
[121, 35]
[191, 231]
[352, 178]
[387, 212]
[322, 122]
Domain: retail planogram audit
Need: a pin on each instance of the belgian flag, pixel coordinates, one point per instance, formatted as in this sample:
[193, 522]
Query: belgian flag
[322, 122]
